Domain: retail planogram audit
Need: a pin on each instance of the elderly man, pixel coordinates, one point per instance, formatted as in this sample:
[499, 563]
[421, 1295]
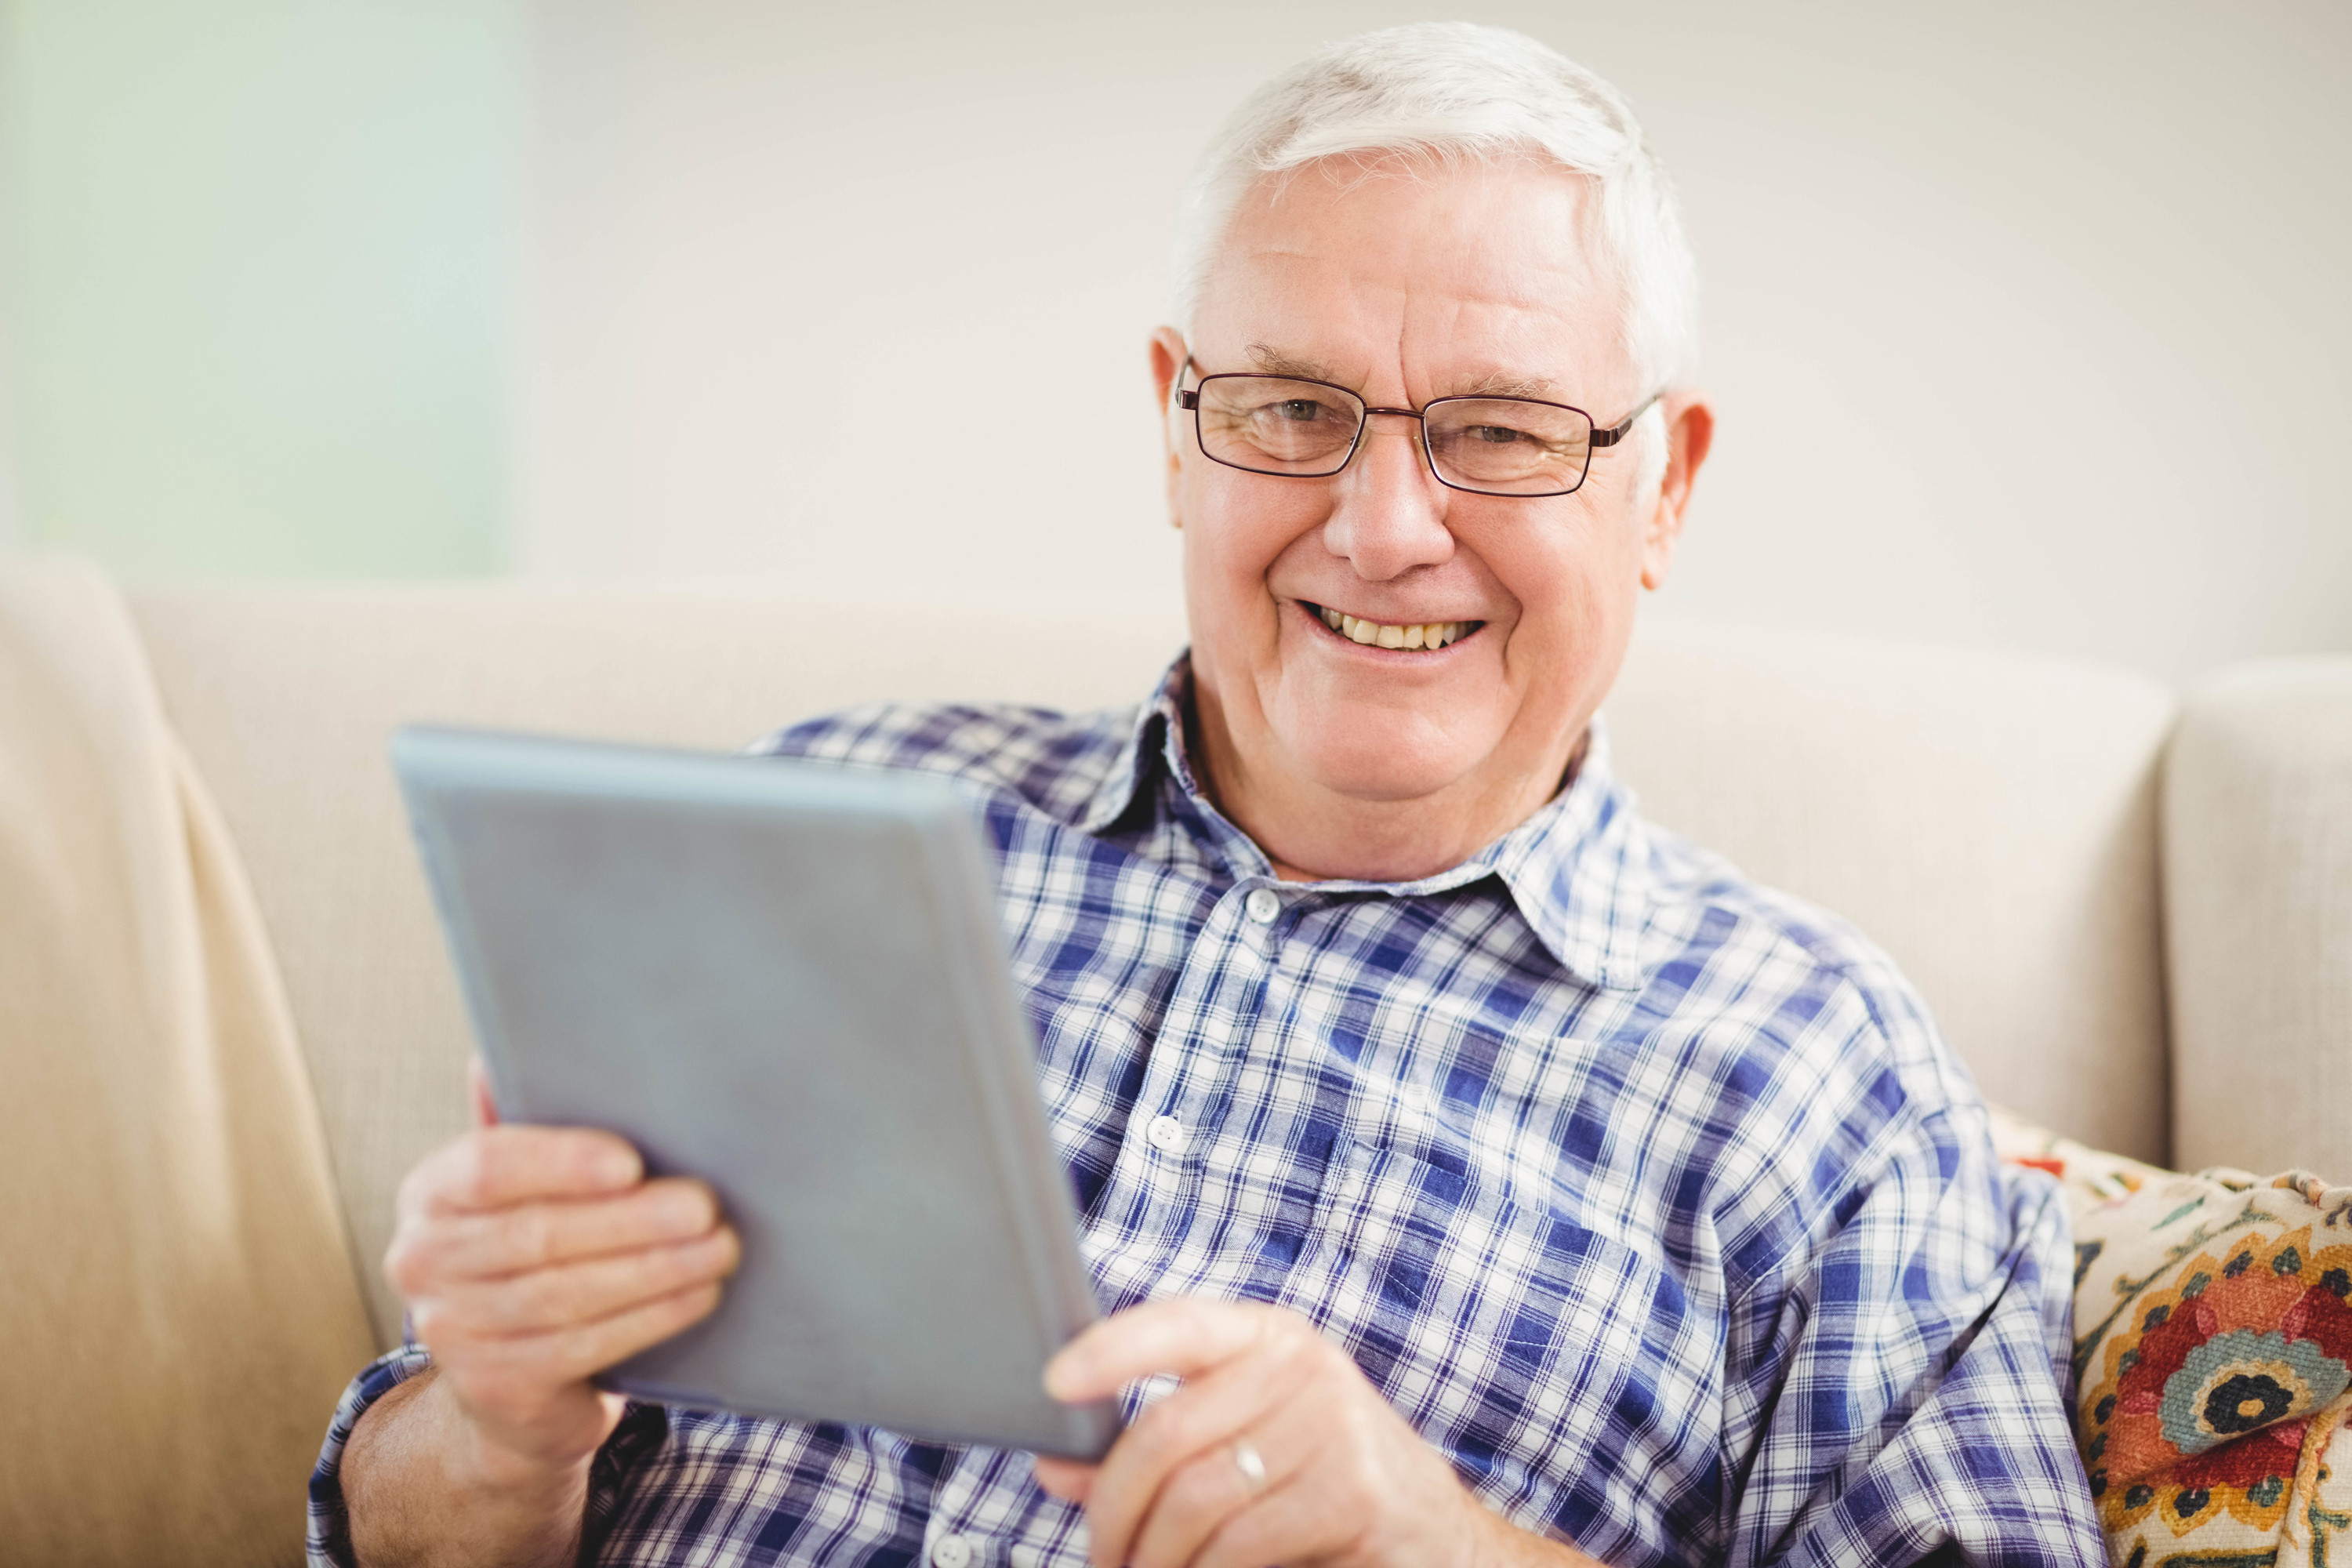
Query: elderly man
[1475, 1174]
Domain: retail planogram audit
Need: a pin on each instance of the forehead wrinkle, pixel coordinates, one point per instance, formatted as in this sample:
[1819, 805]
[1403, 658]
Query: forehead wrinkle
[1272, 361]
[1444, 302]
[1467, 314]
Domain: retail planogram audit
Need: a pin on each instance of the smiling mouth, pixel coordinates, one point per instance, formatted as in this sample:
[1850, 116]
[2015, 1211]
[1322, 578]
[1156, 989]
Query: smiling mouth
[1426, 635]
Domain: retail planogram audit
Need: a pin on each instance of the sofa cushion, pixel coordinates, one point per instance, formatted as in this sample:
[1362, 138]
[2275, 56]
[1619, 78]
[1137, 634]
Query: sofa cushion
[1989, 819]
[2258, 914]
[2212, 1363]
[176, 1293]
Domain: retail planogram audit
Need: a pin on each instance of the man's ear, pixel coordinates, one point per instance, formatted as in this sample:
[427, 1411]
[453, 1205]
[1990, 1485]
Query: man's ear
[1168, 355]
[1690, 432]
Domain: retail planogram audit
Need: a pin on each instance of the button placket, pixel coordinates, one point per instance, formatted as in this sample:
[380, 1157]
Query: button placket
[1239, 967]
[1225, 962]
[1209, 1014]
[978, 1506]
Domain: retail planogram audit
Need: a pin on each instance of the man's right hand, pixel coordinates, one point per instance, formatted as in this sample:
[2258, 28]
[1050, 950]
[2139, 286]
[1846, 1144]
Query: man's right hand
[533, 1257]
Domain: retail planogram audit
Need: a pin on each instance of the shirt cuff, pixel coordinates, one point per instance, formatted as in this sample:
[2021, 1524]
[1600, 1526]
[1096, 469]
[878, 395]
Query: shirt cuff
[328, 1544]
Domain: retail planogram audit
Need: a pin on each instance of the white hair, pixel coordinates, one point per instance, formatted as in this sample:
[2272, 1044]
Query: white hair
[1457, 91]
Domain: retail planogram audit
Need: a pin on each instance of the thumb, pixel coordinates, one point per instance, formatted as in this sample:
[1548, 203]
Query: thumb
[478, 1080]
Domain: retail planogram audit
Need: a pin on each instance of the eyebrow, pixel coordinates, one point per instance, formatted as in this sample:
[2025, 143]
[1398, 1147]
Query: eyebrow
[1272, 361]
[1507, 386]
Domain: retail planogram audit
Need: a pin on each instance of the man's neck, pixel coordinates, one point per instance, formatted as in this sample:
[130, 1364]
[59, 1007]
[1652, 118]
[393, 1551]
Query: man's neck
[1312, 834]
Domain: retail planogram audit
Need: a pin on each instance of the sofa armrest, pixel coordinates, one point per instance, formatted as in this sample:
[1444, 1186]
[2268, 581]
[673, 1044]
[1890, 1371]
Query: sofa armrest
[2257, 824]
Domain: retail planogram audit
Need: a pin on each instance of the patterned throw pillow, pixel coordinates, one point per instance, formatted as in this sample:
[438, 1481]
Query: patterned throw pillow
[2213, 1357]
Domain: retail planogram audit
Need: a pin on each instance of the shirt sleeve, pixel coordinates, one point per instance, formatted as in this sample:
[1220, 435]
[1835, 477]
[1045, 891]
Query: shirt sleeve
[643, 1429]
[1898, 1391]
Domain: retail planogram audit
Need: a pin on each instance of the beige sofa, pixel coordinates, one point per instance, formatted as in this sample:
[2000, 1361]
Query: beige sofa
[2131, 910]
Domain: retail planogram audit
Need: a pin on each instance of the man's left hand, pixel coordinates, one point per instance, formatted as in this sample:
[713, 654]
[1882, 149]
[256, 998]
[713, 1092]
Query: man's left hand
[1275, 1448]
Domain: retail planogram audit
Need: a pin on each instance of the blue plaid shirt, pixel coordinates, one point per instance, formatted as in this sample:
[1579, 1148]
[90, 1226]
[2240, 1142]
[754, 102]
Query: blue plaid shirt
[1651, 1197]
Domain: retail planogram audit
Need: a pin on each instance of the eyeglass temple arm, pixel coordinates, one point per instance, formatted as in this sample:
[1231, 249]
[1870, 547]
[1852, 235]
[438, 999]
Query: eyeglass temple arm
[1186, 399]
[1618, 431]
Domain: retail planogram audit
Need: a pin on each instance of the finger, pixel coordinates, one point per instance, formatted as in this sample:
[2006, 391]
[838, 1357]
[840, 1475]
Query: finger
[427, 1252]
[1195, 1501]
[1069, 1480]
[494, 1166]
[1283, 1524]
[1183, 1335]
[477, 1083]
[1200, 1419]
[1347, 1477]
[562, 1357]
[568, 1293]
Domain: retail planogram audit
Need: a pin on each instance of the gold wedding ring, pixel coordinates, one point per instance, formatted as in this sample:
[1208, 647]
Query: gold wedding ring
[1252, 1466]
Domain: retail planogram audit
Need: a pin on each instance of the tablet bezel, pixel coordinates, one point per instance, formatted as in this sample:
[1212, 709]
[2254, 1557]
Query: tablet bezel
[1024, 1190]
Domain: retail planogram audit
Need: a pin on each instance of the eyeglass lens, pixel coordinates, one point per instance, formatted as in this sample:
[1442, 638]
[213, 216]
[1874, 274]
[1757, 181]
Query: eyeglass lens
[1505, 446]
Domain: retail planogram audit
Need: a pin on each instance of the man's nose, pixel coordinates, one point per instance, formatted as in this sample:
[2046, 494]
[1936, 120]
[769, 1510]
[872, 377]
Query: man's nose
[1388, 513]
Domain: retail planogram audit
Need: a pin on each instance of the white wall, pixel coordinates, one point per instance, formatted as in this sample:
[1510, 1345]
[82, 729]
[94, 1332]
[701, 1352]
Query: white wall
[2028, 323]
[9, 527]
[258, 268]
[9, 532]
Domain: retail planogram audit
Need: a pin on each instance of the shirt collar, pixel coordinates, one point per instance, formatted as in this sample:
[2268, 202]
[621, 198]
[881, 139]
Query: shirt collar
[1577, 869]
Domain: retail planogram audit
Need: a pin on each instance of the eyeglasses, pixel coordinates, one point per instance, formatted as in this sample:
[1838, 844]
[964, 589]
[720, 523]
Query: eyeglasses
[1305, 429]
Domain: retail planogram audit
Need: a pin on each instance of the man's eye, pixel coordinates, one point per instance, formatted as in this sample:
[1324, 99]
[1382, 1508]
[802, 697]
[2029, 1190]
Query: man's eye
[1496, 435]
[1302, 410]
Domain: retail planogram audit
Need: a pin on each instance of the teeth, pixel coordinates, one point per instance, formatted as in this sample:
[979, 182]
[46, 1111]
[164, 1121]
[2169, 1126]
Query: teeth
[1428, 634]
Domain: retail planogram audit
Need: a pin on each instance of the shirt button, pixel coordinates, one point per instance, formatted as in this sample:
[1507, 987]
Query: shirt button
[1165, 1133]
[1263, 905]
[951, 1551]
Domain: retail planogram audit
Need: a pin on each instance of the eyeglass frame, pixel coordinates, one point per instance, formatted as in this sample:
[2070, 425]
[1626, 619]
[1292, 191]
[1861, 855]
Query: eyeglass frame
[1191, 400]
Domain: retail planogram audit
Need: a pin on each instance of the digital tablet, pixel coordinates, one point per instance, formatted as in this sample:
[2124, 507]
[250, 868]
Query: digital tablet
[786, 978]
